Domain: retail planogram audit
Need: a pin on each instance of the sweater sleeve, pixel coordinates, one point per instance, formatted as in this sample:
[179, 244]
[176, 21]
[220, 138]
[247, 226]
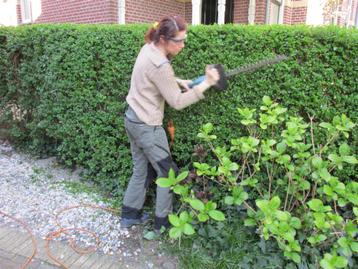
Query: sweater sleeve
[164, 79]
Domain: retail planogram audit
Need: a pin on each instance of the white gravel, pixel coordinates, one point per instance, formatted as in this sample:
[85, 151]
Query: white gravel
[33, 191]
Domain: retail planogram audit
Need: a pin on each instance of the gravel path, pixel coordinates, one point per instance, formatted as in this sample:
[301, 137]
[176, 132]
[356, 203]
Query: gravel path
[33, 191]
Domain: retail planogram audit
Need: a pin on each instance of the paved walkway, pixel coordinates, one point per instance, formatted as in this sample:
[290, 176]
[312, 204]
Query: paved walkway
[16, 247]
[32, 192]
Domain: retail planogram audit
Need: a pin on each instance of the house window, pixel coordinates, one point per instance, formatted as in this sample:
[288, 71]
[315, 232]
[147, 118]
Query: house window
[229, 11]
[26, 11]
[274, 12]
[209, 11]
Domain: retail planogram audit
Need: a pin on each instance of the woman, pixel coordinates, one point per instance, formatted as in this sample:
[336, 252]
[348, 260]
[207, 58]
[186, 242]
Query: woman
[152, 84]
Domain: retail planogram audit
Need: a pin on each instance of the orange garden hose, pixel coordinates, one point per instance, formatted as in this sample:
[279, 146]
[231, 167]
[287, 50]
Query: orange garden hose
[29, 259]
[59, 232]
[62, 230]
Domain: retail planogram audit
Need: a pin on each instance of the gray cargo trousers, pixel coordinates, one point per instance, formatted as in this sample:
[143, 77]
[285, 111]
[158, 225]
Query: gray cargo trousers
[151, 159]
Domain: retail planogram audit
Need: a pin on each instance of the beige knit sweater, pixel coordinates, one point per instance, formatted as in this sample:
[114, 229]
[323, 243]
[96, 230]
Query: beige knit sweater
[153, 83]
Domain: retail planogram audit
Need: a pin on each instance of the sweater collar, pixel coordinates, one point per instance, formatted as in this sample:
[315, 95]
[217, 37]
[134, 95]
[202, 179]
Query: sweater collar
[156, 56]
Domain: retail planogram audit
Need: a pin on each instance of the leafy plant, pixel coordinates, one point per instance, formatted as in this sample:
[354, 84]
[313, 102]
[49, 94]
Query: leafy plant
[284, 180]
[197, 209]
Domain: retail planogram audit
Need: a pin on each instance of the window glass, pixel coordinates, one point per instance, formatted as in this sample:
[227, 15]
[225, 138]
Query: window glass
[209, 11]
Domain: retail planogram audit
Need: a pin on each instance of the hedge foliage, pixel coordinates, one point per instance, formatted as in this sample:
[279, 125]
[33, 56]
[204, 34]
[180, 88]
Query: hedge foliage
[70, 83]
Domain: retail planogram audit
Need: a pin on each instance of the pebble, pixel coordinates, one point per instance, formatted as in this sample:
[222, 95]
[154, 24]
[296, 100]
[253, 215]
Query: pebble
[31, 191]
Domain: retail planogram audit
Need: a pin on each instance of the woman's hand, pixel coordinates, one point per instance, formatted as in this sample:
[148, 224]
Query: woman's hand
[184, 84]
[212, 75]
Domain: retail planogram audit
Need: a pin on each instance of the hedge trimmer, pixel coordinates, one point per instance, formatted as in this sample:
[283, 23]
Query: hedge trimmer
[222, 83]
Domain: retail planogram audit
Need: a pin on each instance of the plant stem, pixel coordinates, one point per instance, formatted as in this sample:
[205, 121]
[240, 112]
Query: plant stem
[248, 168]
[204, 183]
[218, 182]
[181, 206]
[242, 171]
[333, 167]
[335, 207]
[248, 206]
[336, 233]
[314, 190]
[304, 199]
[312, 137]
[213, 150]
[270, 181]
[258, 190]
[273, 193]
[251, 175]
[329, 142]
[291, 205]
[288, 189]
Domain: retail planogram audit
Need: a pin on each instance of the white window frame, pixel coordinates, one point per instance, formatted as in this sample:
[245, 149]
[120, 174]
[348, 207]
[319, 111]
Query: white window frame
[26, 9]
[280, 4]
[196, 12]
[122, 11]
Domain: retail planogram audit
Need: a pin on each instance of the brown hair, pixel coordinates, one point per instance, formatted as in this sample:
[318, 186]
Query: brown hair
[168, 27]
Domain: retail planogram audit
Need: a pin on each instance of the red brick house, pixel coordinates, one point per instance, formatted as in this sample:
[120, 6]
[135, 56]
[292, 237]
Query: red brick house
[195, 11]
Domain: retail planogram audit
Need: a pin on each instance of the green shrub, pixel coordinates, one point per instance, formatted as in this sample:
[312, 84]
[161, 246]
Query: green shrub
[287, 183]
[70, 81]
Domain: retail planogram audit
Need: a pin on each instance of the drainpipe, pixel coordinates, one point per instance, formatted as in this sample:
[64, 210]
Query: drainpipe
[251, 12]
[281, 12]
[196, 12]
[221, 11]
[349, 11]
[356, 18]
[121, 11]
[267, 14]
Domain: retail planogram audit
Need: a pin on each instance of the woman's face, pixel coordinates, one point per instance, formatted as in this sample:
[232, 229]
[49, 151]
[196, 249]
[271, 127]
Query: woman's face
[174, 45]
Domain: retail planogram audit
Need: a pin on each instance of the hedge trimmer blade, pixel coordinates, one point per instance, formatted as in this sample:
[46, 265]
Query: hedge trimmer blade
[253, 67]
[222, 83]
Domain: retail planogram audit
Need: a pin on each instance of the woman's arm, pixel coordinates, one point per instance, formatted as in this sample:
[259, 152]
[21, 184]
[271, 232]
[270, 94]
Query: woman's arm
[183, 84]
[165, 81]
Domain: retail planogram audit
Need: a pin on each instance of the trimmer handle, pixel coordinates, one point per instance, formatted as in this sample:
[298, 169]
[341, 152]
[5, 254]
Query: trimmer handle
[220, 85]
[197, 81]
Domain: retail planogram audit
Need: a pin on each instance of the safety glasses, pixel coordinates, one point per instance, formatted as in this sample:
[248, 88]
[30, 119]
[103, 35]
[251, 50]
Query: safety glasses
[177, 40]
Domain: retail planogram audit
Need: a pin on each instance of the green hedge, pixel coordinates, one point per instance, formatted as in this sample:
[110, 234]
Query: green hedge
[70, 82]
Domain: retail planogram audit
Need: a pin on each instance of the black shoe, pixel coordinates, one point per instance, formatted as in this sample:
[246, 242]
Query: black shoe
[127, 223]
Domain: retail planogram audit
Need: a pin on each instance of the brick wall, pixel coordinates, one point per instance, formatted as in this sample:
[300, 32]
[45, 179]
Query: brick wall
[78, 11]
[241, 11]
[287, 14]
[188, 12]
[18, 12]
[260, 12]
[298, 15]
[152, 10]
[295, 12]
[106, 11]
